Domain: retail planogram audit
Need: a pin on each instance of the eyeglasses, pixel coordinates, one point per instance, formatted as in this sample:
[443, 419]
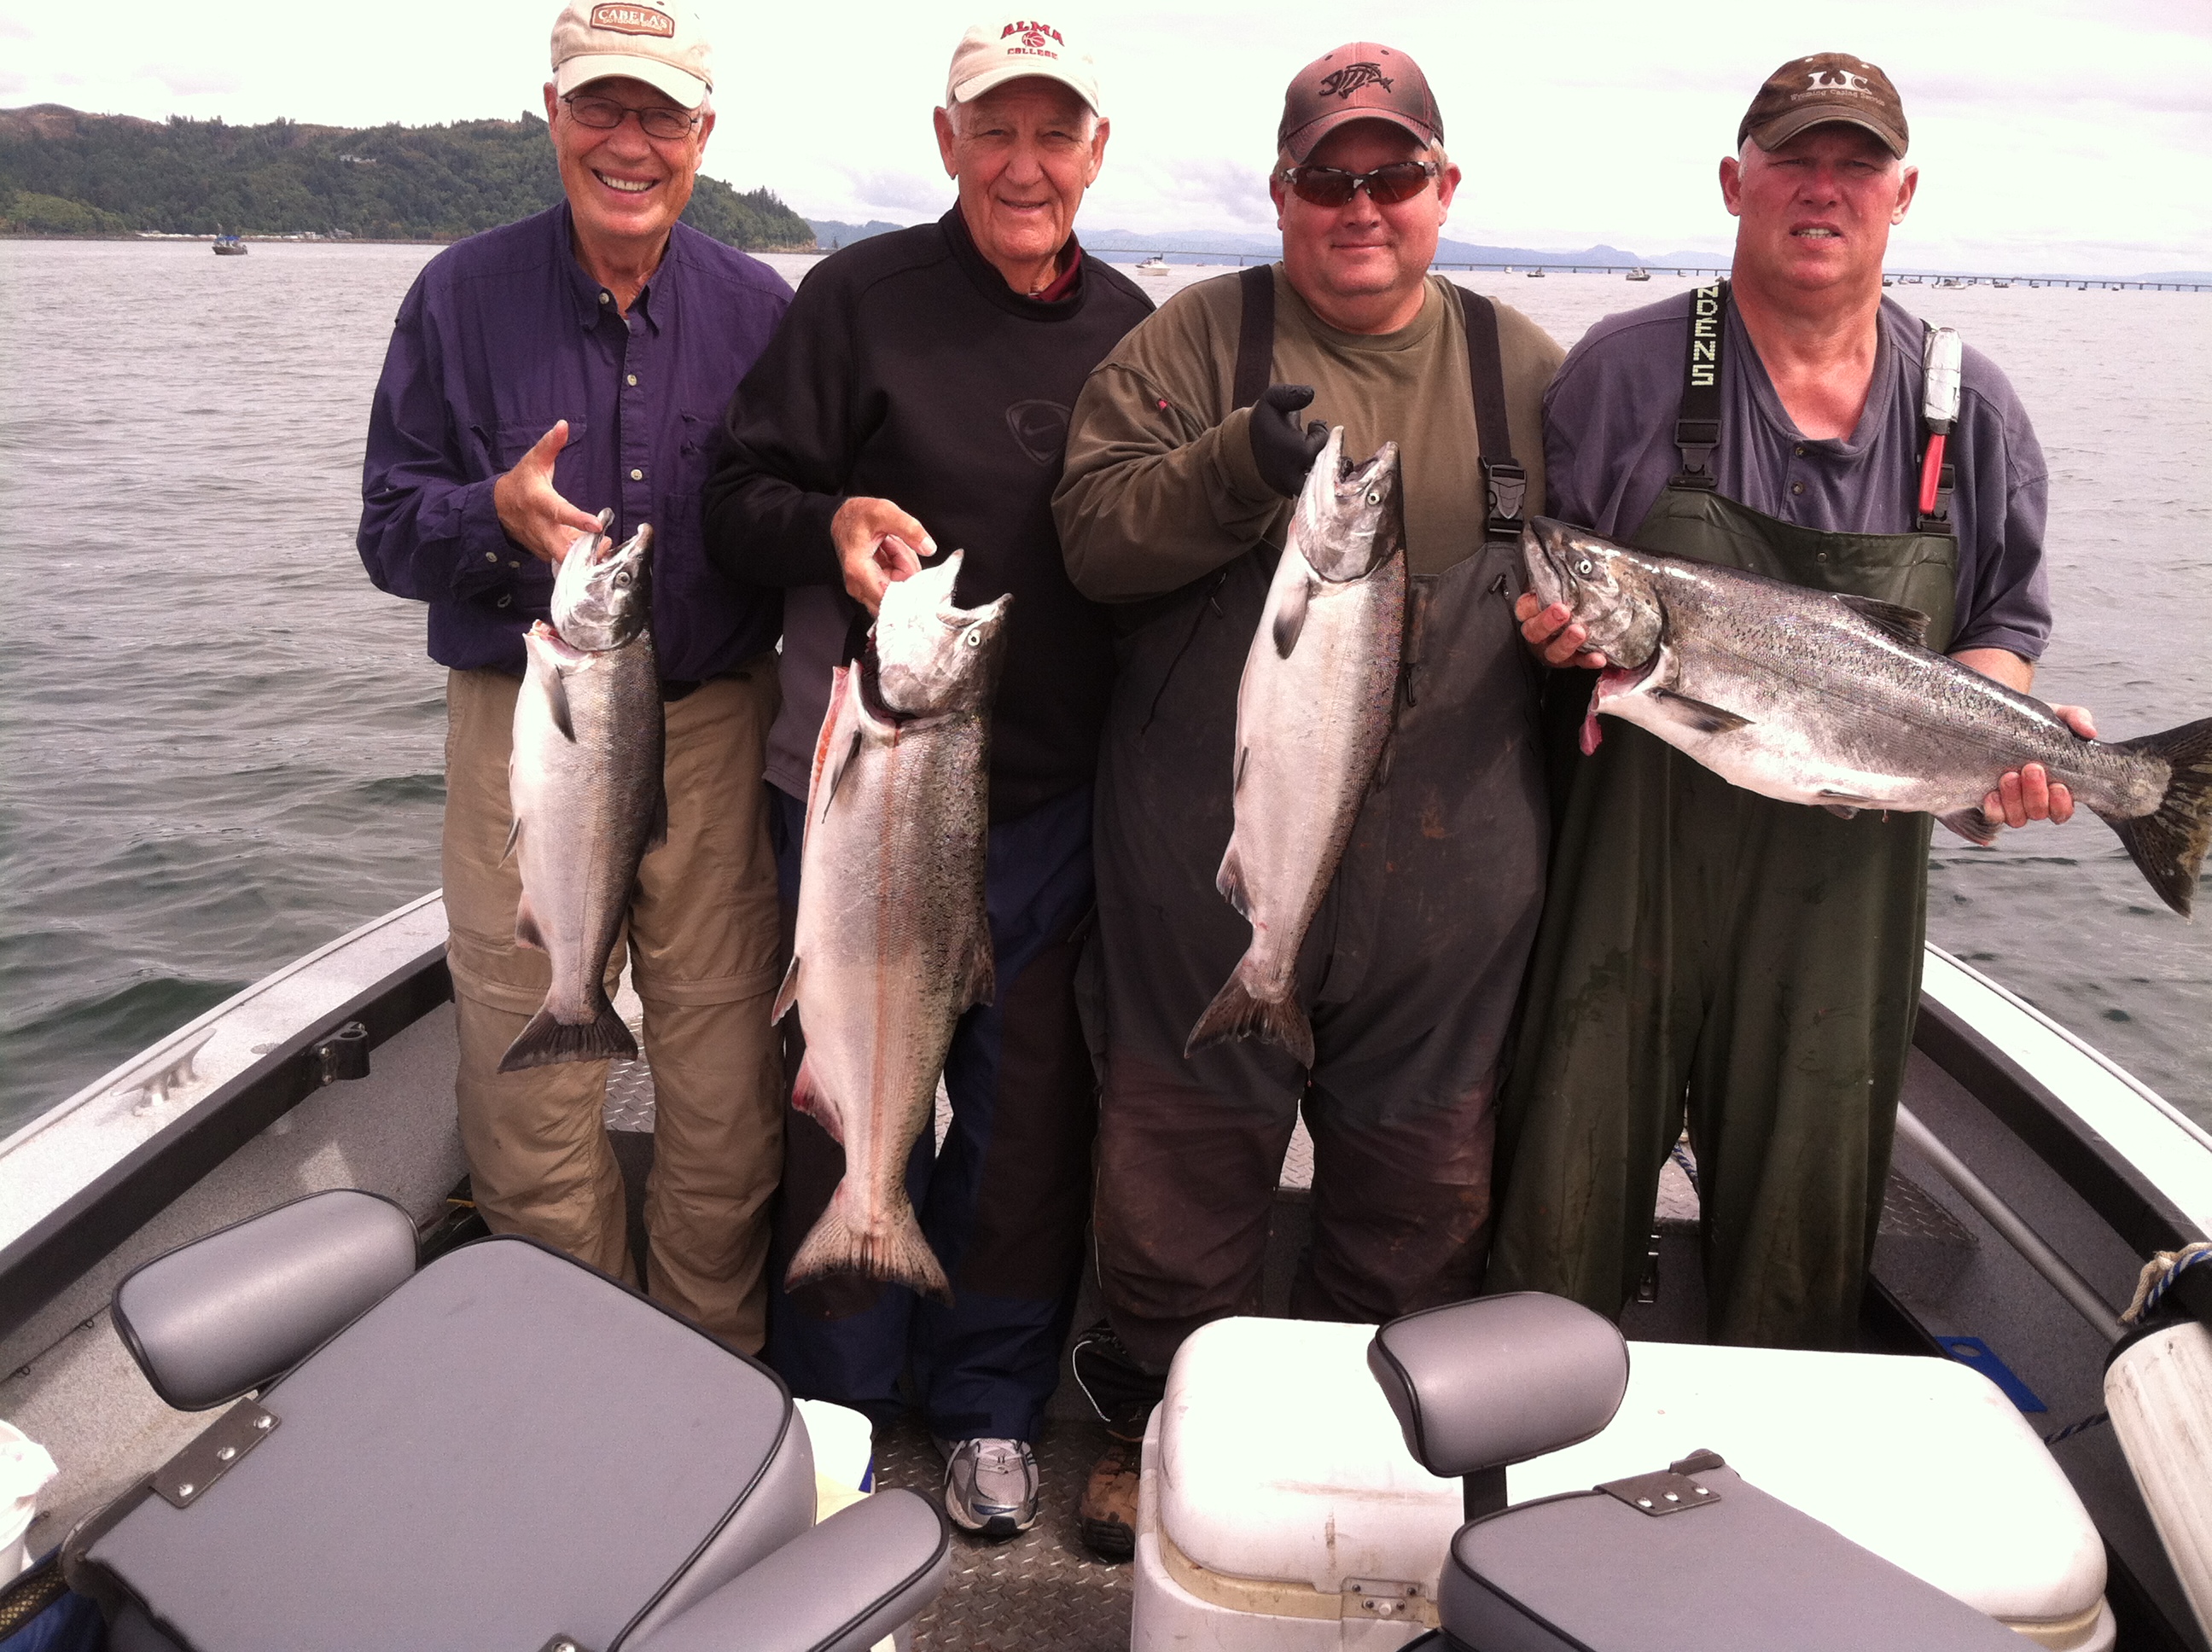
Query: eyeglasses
[1332, 187]
[604, 114]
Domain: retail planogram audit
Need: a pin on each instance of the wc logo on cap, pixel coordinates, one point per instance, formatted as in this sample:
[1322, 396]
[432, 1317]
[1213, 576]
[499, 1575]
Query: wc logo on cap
[634, 19]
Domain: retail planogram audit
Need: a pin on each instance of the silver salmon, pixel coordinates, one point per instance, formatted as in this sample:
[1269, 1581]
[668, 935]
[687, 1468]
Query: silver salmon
[1313, 713]
[893, 944]
[1835, 701]
[586, 788]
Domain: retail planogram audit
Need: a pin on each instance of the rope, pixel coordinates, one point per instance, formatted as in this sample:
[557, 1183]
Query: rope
[2082, 1427]
[2158, 1277]
[1689, 1166]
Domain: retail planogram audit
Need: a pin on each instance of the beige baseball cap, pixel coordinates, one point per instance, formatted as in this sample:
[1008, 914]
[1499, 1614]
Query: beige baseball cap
[991, 54]
[656, 42]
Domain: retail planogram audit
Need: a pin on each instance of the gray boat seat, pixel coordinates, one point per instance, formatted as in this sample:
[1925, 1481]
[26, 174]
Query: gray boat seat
[504, 1451]
[1687, 1557]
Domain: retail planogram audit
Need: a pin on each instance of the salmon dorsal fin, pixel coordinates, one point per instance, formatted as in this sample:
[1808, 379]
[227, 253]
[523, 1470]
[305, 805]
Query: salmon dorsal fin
[1892, 619]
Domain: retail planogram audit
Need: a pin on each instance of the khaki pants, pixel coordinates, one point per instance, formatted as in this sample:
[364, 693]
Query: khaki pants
[702, 942]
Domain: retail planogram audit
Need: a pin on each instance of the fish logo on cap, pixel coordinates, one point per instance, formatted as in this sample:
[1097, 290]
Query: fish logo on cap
[1350, 78]
[634, 19]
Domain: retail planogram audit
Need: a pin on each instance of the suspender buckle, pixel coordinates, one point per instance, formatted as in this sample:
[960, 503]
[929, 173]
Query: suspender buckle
[1939, 520]
[1505, 491]
[1697, 439]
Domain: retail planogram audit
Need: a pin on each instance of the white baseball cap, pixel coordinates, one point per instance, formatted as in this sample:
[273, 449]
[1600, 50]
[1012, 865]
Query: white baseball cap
[991, 54]
[656, 42]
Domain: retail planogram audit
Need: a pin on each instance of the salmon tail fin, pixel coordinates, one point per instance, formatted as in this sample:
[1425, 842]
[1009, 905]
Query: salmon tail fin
[1237, 1012]
[896, 1251]
[546, 1041]
[2168, 844]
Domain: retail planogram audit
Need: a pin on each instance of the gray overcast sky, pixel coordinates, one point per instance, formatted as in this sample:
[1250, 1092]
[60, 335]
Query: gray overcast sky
[2052, 134]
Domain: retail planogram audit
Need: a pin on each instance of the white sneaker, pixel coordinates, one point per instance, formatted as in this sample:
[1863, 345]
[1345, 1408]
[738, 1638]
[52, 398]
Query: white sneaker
[990, 1485]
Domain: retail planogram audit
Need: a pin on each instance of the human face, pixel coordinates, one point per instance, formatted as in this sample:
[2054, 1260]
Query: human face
[1816, 213]
[1359, 265]
[1025, 153]
[624, 189]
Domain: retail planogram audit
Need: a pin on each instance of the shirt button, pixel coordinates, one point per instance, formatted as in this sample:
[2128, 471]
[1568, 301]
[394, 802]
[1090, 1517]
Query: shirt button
[1801, 445]
[491, 556]
[633, 379]
[514, 565]
[503, 602]
[1796, 487]
[637, 476]
[606, 298]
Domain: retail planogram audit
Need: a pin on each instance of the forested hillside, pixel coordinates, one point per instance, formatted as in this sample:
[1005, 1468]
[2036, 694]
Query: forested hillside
[66, 173]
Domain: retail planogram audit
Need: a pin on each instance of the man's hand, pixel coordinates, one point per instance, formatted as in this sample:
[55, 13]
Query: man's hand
[1283, 452]
[533, 513]
[1551, 633]
[877, 545]
[2028, 793]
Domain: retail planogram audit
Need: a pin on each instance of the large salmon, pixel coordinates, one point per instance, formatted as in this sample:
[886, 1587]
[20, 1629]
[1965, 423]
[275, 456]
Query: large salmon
[1835, 701]
[893, 944]
[586, 789]
[1313, 713]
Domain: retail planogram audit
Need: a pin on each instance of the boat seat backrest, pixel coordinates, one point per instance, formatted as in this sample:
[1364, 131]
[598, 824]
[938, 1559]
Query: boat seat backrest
[225, 1314]
[1483, 1384]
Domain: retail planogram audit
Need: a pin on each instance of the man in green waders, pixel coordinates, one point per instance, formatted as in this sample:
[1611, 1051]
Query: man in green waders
[1704, 949]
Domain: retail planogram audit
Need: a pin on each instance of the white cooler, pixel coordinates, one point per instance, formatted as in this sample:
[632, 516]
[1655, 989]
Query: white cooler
[1280, 1511]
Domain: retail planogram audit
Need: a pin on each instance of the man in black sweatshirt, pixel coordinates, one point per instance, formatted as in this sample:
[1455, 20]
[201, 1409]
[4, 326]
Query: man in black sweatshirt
[917, 396]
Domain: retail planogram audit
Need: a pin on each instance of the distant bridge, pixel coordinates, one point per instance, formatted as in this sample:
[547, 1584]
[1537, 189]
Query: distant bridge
[1118, 254]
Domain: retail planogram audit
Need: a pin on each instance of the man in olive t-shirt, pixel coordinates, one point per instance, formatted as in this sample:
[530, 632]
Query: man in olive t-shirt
[1173, 503]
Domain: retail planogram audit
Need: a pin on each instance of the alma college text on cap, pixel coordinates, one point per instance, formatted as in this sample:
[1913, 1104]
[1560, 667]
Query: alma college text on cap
[1359, 82]
[656, 42]
[991, 54]
[1828, 86]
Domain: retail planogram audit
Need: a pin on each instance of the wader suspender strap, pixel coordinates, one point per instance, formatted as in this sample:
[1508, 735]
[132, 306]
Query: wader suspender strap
[1939, 520]
[1698, 427]
[1255, 337]
[1504, 483]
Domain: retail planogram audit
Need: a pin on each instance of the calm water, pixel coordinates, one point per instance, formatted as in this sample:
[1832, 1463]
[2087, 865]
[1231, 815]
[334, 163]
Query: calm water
[222, 747]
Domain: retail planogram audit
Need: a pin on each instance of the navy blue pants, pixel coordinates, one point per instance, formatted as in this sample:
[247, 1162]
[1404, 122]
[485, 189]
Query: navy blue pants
[1003, 1202]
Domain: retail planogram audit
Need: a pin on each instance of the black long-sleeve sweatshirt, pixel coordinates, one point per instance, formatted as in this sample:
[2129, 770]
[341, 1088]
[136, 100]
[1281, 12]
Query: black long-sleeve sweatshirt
[907, 369]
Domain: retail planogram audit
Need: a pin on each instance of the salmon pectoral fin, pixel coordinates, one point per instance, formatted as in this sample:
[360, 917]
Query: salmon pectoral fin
[513, 837]
[545, 1042]
[1705, 718]
[1291, 616]
[896, 1251]
[786, 995]
[1237, 1012]
[556, 697]
[809, 1098]
[527, 931]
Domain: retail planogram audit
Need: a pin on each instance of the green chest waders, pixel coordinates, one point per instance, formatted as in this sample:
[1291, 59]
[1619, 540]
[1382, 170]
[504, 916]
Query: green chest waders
[1757, 963]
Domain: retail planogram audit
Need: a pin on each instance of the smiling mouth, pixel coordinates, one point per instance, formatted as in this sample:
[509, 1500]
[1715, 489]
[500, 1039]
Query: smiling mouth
[626, 185]
[1818, 232]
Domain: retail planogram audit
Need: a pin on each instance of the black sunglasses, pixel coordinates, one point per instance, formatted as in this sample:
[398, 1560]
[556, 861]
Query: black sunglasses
[1332, 187]
[604, 114]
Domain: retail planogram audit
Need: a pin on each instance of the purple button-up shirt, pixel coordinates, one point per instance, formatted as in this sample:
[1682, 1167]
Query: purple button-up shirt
[504, 333]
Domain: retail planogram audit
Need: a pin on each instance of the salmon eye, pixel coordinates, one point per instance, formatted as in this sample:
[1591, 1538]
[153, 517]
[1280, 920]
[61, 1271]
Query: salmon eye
[1375, 499]
[974, 639]
[622, 579]
[1584, 568]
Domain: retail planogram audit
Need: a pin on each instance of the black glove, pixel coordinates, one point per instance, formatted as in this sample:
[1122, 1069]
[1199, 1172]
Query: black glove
[1283, 452]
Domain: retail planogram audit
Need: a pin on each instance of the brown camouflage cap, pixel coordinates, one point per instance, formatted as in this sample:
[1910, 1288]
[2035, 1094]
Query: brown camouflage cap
[1359, 82]
[1812, 91]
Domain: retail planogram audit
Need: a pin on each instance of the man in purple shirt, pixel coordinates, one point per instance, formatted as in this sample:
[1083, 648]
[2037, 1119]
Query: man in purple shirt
[575, 361]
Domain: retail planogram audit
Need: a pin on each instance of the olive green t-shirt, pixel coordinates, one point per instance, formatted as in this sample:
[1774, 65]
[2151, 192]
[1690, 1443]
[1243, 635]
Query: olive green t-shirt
[1160, 487]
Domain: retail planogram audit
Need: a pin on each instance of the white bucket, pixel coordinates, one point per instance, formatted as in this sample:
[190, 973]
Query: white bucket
[24, 1468]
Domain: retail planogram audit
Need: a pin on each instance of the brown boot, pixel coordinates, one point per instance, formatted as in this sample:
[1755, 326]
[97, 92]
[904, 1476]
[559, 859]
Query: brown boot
[1107, 1515]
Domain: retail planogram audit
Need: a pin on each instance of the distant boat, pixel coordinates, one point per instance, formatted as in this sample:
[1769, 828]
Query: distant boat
[1950, 281]
[1535, 275]
[1155, 265]
[2000, 283]
[229, 246]
[1639, 275]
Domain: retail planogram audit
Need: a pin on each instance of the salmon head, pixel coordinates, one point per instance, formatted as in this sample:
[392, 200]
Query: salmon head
[602, 595]
[1612, 592]
[926, 657]
[1349, 518]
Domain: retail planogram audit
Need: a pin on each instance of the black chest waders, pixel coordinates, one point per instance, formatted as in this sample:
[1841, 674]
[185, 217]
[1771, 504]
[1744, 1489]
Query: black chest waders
[1408, 973]
[1704, 949]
